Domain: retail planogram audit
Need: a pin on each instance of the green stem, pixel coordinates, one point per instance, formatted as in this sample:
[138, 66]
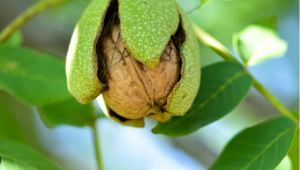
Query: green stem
[97, 146]
[273, 100]
[18, 22]
[211, 42]
[215, 45]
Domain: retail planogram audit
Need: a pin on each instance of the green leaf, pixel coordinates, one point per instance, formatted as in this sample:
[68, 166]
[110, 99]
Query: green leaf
[18, 122]
[34, 78]
[270, 22]
[17, 156]
[295, 114]
[261, 147]
[223, 86]
[294, 152]
[10, 128]
[258, 43]
[16, 39]
[69, 112]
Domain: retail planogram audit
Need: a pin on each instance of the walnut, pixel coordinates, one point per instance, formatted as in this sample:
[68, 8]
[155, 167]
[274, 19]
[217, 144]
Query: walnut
[135, 90]
[142, 57]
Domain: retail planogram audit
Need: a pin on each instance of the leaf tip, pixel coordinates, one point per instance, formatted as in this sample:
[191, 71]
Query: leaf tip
[155, 130]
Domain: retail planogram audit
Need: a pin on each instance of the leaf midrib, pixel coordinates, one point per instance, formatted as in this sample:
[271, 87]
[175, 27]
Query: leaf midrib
[267, 147]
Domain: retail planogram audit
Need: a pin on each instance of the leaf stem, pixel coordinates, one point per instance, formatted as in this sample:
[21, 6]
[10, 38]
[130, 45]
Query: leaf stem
[97, 146]
[24, 17]
[273, 100]
[215, 45]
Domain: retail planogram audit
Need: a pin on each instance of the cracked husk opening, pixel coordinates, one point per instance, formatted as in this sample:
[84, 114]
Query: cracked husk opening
[135, 90]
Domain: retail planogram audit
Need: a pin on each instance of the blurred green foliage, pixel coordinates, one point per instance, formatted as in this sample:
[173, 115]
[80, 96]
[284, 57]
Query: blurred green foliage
[64, 16]
[34, 78]
[69, 112]
[16, 39]
[21, 157]
[294, 152]
[10, 128]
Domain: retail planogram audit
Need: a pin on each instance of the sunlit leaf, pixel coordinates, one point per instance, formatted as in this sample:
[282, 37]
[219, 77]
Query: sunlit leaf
[16, 156]
[261, 147]
[285, 164]
[16, 39]
[294, 152]
[69, 112]
[33, 77]
[223, 86]
[257, 43]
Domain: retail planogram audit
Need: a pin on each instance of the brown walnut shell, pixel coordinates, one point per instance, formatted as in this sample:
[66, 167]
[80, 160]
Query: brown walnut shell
[135, 90]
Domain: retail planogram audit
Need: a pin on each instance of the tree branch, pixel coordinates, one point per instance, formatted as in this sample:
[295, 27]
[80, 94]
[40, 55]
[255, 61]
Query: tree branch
[18, 22]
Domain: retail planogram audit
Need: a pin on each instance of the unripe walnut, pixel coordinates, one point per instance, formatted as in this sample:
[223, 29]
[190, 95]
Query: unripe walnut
[135, 90]
[142, 56]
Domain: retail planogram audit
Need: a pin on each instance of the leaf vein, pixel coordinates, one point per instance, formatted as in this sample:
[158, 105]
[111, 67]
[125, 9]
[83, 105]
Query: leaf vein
[267, 147]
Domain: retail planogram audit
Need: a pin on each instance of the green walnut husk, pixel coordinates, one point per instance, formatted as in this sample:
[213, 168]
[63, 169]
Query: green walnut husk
[142, 56]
